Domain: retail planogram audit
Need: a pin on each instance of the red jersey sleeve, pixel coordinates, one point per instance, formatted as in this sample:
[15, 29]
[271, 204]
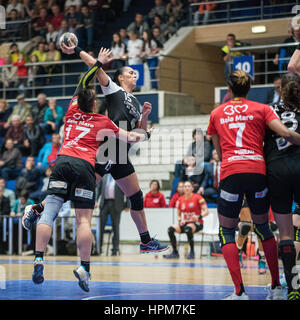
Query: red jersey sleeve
[270, 114]
[211, 125]
[112, 126]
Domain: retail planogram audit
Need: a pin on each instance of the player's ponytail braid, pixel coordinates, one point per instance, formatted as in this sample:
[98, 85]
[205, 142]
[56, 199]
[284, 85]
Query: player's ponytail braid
[239, 81]
[290, 91]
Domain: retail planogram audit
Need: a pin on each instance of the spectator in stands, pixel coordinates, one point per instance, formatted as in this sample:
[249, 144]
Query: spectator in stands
[22, 109]
[85, 29]
[53, 117]
[73, 17]
[119, 51]
[5, 111]
[29, 177]
[40, 52]
[27, 12]
[73, 3]
[38, 5]
[134, 49]
[138, 25]
[38, 110]
[158, 23]
[33, 138]
[287, 52]
[4, 211]
[48, 153]
[40, 24]
[158, 37]
[41, 192]
[9, 78]
[126, 5]
[159, 9]
[14, 5]
[18, 211]
[204, 12]
[15, 131]
[173, 8]
[10, 161]
[124, 36]
[273, 95]
[51, 34]
[172, 27]
[22, 72]
[191, 210]
[179, 192]
[8, 193]
[208, 148]
[149, 53]
[14, 52]
[210, 190]
[53, 55]
[154, 198]
[57, 17]
[33, 79]
[231, 42]
[13, 28]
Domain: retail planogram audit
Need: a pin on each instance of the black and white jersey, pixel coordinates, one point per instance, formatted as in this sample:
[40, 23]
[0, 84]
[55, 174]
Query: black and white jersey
[276, 147]
[123, 107]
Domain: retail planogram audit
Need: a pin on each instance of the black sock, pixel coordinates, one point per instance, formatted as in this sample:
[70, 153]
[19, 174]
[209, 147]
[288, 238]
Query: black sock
[288, 257]
[145, 237]
[189, 233]
[242, 290]
[172, 237]
[86, 265]
[39, 254]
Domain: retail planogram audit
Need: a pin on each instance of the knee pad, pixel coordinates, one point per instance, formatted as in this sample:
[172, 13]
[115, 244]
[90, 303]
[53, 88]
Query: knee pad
[52, 206]
[137, 201]
[226, 235]
[263, 231]
[245, 228]
[171, 230]
[296, 234]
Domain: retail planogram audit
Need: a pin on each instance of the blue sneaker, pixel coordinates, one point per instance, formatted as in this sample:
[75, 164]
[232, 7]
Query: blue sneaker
[83, 277]
[38, 268]
[191, 255]
[172, 255]
[262, 266]
[153, 246]
[30, 217]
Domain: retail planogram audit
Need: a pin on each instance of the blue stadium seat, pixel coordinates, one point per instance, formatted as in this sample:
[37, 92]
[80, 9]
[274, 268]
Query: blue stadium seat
[11, 184]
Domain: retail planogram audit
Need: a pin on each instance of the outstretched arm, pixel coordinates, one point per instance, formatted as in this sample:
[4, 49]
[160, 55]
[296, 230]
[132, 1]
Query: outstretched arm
[104, 57]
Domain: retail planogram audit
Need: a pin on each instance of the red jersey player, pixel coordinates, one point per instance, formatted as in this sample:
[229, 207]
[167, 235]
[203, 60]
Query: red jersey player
[191, 208]
[73, 175]
[238, 129]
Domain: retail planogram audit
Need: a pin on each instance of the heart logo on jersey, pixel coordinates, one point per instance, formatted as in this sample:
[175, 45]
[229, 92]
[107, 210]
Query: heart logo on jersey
[230, 109]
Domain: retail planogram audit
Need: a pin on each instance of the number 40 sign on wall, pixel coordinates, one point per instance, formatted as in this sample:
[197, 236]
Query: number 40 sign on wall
[245, 63]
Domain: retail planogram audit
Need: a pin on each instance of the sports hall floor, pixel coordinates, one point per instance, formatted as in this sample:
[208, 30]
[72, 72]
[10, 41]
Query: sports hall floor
[129, 277]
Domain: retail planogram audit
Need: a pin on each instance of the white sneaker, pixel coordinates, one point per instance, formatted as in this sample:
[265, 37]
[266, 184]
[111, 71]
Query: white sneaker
[236, 297]
[276, 293]
[83, 277]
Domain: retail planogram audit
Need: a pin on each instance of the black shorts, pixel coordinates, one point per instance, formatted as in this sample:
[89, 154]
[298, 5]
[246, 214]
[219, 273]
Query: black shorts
[233, 188]
[117, 171]
[283, 183]
[198, 226]
[73, 179]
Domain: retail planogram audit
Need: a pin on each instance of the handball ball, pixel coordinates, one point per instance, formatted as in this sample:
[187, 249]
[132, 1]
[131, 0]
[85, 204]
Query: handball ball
[69, 39]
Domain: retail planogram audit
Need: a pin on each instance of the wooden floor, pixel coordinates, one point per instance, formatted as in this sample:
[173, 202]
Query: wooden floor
[129, 277]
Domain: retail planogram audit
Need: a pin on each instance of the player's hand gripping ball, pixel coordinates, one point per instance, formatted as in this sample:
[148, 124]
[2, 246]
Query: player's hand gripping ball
[69, 39]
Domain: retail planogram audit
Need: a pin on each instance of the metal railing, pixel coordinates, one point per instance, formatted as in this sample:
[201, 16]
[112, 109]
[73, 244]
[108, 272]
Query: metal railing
[8, 232]
[66, 79]
[266, 50]
[262, 10]
[21, 33]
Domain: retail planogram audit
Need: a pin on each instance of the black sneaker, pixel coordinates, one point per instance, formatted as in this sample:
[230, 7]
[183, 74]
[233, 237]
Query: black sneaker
[38, 269]
[172, 255]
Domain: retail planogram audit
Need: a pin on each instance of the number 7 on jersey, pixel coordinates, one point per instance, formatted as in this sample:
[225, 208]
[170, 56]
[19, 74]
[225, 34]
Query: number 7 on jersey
[239, 136]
